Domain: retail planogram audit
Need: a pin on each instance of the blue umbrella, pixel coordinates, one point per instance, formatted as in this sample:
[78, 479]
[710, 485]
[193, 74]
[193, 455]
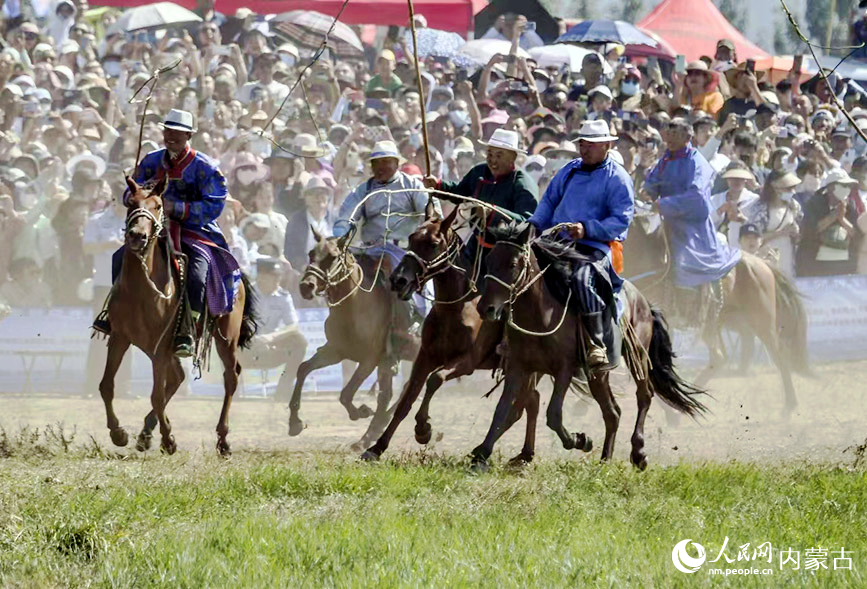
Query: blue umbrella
[439, 44]
[606, 31]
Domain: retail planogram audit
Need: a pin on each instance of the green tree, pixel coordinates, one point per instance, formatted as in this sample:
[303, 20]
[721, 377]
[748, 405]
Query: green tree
[734, 11]
[824, 16]
[631, 10]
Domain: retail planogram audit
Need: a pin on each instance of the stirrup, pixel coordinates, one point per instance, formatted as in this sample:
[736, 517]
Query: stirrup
[184, 346]
[101, 324]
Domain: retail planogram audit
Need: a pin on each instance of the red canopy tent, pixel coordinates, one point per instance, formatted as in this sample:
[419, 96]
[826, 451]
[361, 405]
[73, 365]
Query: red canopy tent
[693, 27]
[447, 15]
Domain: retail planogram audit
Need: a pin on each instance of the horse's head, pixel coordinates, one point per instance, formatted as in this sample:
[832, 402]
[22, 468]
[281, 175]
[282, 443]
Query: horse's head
[144, 217]
[324, 263]
[508, 267]
[644, 252]
[430, 252]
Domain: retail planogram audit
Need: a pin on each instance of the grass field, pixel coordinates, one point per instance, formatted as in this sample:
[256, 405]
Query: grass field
[77, 514]
[301, 512]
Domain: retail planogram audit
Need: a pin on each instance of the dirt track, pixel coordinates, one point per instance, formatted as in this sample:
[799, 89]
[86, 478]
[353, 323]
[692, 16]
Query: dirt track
[745, 422]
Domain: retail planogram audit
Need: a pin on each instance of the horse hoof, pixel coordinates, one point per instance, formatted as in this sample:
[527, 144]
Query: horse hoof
[370, 455]
[143, 442]
[423, 433]
[583, 443]
[168, 445]
[480, 466]
[363, 412]
[296, 427]
[639, 461]
[521, 460]
[223, 448]
[119, 437]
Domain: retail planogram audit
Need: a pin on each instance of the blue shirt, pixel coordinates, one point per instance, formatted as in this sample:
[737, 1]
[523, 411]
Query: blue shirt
[681, 183]
[195, 194]
[600, 198]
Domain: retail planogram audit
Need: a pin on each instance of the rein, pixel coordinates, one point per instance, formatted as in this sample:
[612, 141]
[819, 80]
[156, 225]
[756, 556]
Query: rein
[515, 291]
[336, 274]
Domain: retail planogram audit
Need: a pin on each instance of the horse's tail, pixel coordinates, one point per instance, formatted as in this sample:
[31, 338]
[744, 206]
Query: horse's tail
[250, 319]
[791, 323]
[669, 385]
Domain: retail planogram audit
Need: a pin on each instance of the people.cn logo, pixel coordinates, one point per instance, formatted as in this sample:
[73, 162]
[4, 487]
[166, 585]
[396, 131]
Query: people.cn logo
[683, 561]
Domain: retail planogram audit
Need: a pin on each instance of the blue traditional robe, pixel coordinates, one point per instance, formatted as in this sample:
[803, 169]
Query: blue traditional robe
[681, 184]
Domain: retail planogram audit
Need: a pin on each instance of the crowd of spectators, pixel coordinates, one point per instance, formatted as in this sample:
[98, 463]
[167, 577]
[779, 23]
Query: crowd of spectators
[791, 169]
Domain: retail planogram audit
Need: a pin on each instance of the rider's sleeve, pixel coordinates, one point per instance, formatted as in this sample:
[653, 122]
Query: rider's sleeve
[420, 198]
[690, 205]
[621, 207]
[526, 197]
[200, 213]
[341, 225]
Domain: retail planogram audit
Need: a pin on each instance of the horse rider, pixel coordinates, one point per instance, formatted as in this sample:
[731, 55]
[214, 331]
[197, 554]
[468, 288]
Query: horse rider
[496, 182]
[592, 198]
[387, 219]
[194, 197]
[680, 187]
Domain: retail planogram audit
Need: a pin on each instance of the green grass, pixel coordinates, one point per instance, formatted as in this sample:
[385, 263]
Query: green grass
[79, 515]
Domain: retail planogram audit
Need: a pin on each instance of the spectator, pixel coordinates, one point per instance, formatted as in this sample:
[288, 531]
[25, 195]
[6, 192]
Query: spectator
[828, 245]
[729, 206]
[699, 88]
[750, 239]
[317, 216]
[778, 215]
[25, 287]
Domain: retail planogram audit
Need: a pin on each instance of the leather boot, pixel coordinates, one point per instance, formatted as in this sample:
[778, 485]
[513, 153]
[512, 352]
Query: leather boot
[185, 340]
[597, 355]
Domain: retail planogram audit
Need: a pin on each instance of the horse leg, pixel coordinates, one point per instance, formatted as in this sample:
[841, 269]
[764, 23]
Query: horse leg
[423, 430]
[644, 396]
[772, 344]
[531, 404]
[231, 371]
[324, 356]
[385, 380]
[578, 441]
[117, 347]
[601, 391]
[364, 369]
[421, 368]
[158, 402]
[173, 380]
[503, 415]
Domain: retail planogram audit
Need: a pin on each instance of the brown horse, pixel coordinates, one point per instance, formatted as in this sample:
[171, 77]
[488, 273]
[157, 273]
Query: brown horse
[143, 309]
[358, 328]
[455, 340]
[544, 337]
[757, 300]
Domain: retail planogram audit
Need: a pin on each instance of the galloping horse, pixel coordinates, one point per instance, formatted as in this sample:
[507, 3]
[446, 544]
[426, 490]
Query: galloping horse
[757, 300]
[358, 328]
[542, 335]
[143, 309]
[454, 341]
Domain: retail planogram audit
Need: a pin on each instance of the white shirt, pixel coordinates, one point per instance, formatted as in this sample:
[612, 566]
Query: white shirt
[277, 311]
[276, 91]
[103, 227]
[734, 227]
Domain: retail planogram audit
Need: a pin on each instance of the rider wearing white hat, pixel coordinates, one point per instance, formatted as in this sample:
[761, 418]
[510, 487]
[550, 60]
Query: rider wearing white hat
[593, 197]
[194, 196]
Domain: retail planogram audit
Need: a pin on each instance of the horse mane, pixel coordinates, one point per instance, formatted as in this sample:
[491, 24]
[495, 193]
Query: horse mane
[507, 232]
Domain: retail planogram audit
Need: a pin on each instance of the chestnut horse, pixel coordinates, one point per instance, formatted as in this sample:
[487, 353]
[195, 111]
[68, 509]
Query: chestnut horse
[143, 311]
[358, 328]
[544, 336]
[757, 300]
[455, 340]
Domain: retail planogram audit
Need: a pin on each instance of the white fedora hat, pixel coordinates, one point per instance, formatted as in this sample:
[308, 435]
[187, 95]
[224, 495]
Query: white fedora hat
[595, 132]
[503, 139]
[179, 120]
[385, 149]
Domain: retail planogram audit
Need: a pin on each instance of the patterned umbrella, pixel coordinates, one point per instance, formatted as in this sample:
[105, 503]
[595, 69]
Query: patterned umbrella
[436, 43]
[153, 16]
[606, 31]
[480, 51]
[307, 29]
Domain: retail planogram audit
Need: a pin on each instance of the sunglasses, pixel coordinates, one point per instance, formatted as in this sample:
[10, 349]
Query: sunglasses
[31, 36]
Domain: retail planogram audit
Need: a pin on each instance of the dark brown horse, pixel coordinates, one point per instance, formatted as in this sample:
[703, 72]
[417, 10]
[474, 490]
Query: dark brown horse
[455, 340]
[757, 300]
[543, 336]
[358, 328]
[143, 309]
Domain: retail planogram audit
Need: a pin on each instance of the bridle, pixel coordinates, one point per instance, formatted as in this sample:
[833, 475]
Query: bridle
[522, 284]
[437, 265]
[339, 271]
[135, 214]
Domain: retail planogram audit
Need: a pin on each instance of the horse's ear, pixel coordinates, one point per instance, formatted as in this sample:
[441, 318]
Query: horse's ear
[133, 187]
[316, 234]
[159, 187]
[430, 210]
[447, 222]
[347, 237]
[527, 233]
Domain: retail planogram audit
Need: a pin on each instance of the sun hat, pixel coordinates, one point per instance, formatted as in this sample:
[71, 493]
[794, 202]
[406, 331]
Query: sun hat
[180, 120]
[98, 163]
[503, 139]
[787, 180]
[601, 89]
[836, 176]
[595, 132]
[383, 150]
[738, 172]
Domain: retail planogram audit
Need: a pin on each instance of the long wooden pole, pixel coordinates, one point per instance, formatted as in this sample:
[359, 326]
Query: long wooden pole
[420, 89]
